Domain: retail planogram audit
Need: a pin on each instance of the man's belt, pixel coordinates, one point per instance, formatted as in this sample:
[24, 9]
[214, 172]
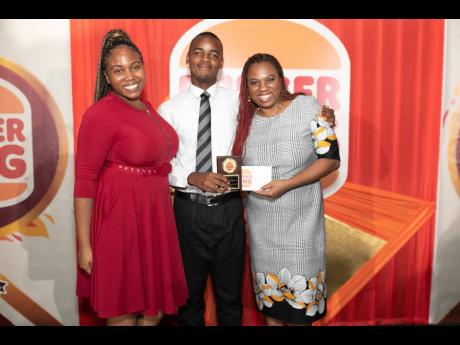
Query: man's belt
[208, 200]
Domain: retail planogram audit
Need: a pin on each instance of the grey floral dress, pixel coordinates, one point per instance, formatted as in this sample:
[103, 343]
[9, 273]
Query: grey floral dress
[287, 234]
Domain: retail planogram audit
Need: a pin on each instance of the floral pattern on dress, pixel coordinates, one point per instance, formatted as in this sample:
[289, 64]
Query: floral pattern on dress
[298, 291]
[323, 136]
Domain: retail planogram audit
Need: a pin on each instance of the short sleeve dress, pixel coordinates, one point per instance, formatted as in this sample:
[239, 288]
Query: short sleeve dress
[287, 234]
[123, 163]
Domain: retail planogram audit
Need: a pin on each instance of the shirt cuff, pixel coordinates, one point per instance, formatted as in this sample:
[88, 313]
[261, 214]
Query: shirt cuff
[180, 181]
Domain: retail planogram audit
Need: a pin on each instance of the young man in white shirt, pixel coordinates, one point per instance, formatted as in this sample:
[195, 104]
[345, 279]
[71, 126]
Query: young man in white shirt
[209, 217]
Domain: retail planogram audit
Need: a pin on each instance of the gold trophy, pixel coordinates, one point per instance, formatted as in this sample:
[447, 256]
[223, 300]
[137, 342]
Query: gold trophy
[230, 167]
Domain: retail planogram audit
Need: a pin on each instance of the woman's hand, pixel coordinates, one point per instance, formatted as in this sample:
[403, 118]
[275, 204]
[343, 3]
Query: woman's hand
[275, 188]
[85, 258]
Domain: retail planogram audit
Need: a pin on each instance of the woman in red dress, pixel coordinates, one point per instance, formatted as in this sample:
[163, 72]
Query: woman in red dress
[130, 264]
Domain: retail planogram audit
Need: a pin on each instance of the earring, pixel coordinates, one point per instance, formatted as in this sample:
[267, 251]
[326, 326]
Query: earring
[249, 99]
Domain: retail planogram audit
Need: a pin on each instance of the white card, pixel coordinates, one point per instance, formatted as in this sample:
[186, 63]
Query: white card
[254, 177]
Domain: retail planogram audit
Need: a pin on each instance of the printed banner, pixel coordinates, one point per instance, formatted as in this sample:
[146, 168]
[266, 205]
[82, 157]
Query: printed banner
[380, 205]
[37, 238]
[445, 293]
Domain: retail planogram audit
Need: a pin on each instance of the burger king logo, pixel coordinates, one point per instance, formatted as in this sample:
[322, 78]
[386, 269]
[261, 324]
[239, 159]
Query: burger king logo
[314, 61]
[246, 177]
[33, 148]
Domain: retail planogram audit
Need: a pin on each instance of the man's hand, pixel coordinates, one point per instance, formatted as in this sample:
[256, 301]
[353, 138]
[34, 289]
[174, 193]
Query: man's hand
[209, 182]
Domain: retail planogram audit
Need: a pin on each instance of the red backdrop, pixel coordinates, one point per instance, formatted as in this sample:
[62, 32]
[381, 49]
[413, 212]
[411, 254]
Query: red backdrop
[395, 106]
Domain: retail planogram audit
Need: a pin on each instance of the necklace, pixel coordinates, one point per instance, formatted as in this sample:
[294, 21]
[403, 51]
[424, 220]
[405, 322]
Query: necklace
[279, 111]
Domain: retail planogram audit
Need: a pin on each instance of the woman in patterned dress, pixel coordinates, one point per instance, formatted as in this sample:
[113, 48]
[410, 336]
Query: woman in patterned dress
[285, 217]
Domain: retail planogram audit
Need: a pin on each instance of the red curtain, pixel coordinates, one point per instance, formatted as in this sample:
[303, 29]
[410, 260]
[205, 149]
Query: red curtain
[395, 106]
[155, 39]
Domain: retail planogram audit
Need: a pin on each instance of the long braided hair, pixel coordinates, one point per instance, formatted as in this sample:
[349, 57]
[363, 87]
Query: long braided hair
[247, 107]
[112, 39]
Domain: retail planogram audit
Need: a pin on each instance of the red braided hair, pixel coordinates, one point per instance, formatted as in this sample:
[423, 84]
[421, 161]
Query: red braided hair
[247, 107]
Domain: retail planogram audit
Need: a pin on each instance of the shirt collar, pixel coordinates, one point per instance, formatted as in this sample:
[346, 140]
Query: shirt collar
[196, 91]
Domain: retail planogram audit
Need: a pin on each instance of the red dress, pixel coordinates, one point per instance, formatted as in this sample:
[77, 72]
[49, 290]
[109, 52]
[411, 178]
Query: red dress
[123, 163]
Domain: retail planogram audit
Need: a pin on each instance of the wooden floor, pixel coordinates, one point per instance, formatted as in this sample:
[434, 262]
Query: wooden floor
[453, 317]
[171, 320]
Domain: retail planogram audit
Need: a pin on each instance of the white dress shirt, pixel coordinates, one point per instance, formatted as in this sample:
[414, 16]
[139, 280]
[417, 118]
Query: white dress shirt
[182, 112]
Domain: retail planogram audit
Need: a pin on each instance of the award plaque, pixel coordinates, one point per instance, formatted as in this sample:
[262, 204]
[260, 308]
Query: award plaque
[230, 167]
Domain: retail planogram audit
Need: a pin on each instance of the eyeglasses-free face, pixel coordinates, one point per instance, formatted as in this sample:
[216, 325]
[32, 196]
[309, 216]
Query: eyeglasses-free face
[205, 58]
[125, 73]
[264, 86]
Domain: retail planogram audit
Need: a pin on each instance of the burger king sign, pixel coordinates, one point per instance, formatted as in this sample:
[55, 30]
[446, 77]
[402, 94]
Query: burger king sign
[314, 61]
[33, 147]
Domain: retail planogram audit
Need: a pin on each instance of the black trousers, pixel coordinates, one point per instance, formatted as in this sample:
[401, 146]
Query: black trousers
[212, 241]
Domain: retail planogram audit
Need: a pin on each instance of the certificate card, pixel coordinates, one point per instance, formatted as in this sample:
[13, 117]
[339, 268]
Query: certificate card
[254, 177]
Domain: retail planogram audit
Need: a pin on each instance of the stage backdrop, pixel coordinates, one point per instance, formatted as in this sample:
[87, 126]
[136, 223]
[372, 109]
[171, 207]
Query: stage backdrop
[37, 237]
[384, 77]
[445, 293]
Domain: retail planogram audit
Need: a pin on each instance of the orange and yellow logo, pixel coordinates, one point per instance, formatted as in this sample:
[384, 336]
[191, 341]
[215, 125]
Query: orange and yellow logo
[16, 159]
[33, 151]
